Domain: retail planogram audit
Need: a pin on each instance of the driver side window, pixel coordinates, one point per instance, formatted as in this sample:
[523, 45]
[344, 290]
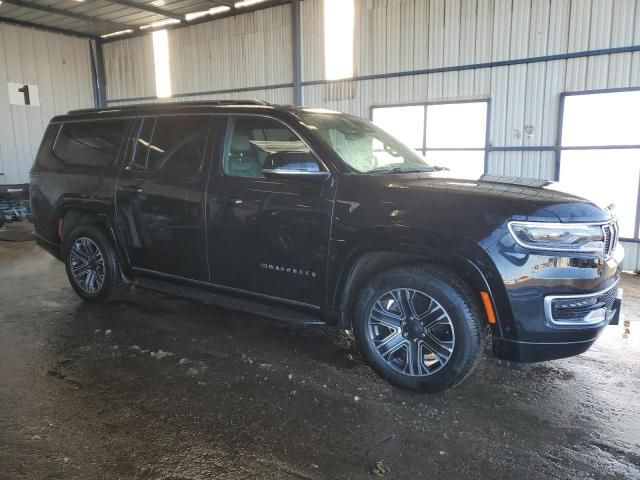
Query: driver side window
[255, 143]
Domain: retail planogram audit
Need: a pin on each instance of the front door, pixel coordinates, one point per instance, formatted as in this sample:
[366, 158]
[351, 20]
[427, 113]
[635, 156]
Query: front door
[160, 196]
[268, 236]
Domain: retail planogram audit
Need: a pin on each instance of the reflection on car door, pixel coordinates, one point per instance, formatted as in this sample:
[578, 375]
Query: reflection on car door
[160, 195]
[267, 236]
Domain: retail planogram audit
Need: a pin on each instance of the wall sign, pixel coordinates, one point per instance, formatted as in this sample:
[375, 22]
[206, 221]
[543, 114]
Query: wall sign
[23, 94]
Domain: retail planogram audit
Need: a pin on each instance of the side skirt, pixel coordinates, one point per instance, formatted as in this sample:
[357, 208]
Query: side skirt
[277, 312]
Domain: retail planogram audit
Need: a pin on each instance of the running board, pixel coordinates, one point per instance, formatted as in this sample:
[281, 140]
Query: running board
[277, 312]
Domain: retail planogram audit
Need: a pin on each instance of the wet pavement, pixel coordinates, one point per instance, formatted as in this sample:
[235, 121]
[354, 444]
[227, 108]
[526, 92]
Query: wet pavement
[160, 388]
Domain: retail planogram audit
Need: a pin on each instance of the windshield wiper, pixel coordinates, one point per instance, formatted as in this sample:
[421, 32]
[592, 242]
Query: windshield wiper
[401, 170]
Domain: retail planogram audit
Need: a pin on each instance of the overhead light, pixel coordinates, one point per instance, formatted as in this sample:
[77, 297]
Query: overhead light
[161, 63]
[115, 34]
[212, 11]
[158, 3]
[160, 23]
[247, 3]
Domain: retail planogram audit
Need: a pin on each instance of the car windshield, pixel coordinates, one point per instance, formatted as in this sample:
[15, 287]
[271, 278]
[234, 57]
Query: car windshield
[363, 146]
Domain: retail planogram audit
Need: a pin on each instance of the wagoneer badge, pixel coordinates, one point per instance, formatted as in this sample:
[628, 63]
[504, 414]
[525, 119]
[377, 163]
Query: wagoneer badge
[291, 270]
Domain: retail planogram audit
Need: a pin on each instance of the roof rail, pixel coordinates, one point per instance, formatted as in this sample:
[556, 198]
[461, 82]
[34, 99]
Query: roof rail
[203, 103]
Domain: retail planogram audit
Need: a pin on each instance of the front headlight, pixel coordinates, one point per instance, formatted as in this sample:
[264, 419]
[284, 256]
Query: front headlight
[573, 237]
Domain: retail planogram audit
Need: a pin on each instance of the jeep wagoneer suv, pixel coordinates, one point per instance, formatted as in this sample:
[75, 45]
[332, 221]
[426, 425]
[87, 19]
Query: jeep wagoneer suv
[316, 216]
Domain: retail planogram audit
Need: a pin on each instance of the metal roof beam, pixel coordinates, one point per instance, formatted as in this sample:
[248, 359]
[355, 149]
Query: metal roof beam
[63, 31]
[147, 8]
[66, 13]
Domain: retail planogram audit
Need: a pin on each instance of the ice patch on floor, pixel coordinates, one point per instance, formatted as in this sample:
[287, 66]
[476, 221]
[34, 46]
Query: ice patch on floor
[160, 354]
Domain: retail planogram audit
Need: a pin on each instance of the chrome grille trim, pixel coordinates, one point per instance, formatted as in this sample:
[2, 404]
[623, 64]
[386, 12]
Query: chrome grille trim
[610, 232]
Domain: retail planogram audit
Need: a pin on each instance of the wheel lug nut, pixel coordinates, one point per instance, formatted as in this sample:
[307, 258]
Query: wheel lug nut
[415, 340]
[405, 334]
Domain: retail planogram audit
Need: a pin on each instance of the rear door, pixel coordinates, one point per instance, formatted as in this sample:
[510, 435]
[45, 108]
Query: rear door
[268, 236]
[160, 195]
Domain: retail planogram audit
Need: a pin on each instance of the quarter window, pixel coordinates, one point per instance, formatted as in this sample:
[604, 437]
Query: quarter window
[253, 143]
[90, 144]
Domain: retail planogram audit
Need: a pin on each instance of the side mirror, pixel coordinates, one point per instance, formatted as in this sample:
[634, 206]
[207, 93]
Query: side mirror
[302, 166]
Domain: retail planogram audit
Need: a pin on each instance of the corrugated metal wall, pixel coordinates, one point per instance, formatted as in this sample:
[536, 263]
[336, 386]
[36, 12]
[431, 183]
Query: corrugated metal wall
[244, 51]
[60, 66]
[406, 35]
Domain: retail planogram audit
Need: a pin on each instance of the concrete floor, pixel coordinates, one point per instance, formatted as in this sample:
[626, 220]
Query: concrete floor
[159, 388]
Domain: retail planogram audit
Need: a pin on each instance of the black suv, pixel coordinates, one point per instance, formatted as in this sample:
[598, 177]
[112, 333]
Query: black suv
[316, 216]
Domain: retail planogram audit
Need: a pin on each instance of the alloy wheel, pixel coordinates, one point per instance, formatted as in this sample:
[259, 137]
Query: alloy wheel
[411, 332]
[87, 265]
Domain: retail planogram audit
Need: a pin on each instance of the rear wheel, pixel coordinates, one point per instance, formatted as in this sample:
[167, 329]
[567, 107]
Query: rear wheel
[92, 265]
[419, 327]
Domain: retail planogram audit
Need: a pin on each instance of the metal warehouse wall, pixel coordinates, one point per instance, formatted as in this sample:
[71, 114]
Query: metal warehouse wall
[244, 51]
[393, 39]
[60, 66]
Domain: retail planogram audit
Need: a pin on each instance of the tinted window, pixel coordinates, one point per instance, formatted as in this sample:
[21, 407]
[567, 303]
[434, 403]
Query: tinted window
[91, 144]
[250, 140]
[45, 158]
[174, 145]
[143, 143]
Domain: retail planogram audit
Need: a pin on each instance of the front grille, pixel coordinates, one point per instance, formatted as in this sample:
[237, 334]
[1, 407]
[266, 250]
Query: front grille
[610, 231]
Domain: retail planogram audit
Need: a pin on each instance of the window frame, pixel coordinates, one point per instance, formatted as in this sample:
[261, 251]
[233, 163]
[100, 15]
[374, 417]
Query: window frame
[137, 129]
[559, 148]
[225, 138]
[424, 149]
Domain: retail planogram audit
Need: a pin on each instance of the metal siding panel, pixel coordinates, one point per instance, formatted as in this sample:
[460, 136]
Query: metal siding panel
[631, 260]
[129, 68]
[436, 47]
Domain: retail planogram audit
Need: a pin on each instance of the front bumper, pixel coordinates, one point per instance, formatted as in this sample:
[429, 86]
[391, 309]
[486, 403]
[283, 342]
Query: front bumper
[555, 306]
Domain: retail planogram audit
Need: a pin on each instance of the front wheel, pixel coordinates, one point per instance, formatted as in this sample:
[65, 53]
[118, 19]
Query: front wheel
[419, 327]
[92, 265]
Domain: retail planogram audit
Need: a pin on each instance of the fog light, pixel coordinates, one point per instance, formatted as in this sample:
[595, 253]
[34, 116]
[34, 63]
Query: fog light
[597, 316]
[575, 303]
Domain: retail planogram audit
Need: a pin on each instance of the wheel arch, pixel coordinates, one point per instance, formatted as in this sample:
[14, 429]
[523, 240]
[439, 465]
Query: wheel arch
[74, 215]
[365, 263]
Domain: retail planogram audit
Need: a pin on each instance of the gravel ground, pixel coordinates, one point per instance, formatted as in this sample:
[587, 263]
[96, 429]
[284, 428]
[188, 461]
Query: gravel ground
[159, 388]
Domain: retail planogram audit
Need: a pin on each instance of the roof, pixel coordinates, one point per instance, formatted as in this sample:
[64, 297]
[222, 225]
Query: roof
[96, 18]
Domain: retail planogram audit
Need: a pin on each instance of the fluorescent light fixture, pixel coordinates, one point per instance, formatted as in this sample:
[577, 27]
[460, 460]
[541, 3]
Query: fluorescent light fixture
[247, 3]
[161, 62]
[115, 34]
[338, 39]
[158, 3]
[212, 11]
[161, 23]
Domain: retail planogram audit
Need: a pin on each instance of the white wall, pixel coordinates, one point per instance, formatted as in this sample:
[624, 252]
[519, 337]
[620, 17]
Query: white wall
[60, 66]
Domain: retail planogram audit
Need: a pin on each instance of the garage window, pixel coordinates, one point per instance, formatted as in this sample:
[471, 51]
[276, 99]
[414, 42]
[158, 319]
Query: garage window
[600, 152]
[451, 135]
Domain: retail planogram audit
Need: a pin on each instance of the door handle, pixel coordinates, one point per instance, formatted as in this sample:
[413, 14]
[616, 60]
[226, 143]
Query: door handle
[131, 189]
[232, 202]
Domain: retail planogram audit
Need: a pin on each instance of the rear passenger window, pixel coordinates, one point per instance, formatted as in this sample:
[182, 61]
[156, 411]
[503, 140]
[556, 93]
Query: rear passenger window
[90, 144]
[172, 144]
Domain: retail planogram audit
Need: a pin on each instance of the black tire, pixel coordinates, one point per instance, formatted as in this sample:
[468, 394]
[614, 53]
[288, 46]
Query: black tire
[112, 288]
[462, 328]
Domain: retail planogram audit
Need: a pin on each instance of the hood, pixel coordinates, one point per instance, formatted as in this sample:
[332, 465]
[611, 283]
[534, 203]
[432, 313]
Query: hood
[521, 198]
